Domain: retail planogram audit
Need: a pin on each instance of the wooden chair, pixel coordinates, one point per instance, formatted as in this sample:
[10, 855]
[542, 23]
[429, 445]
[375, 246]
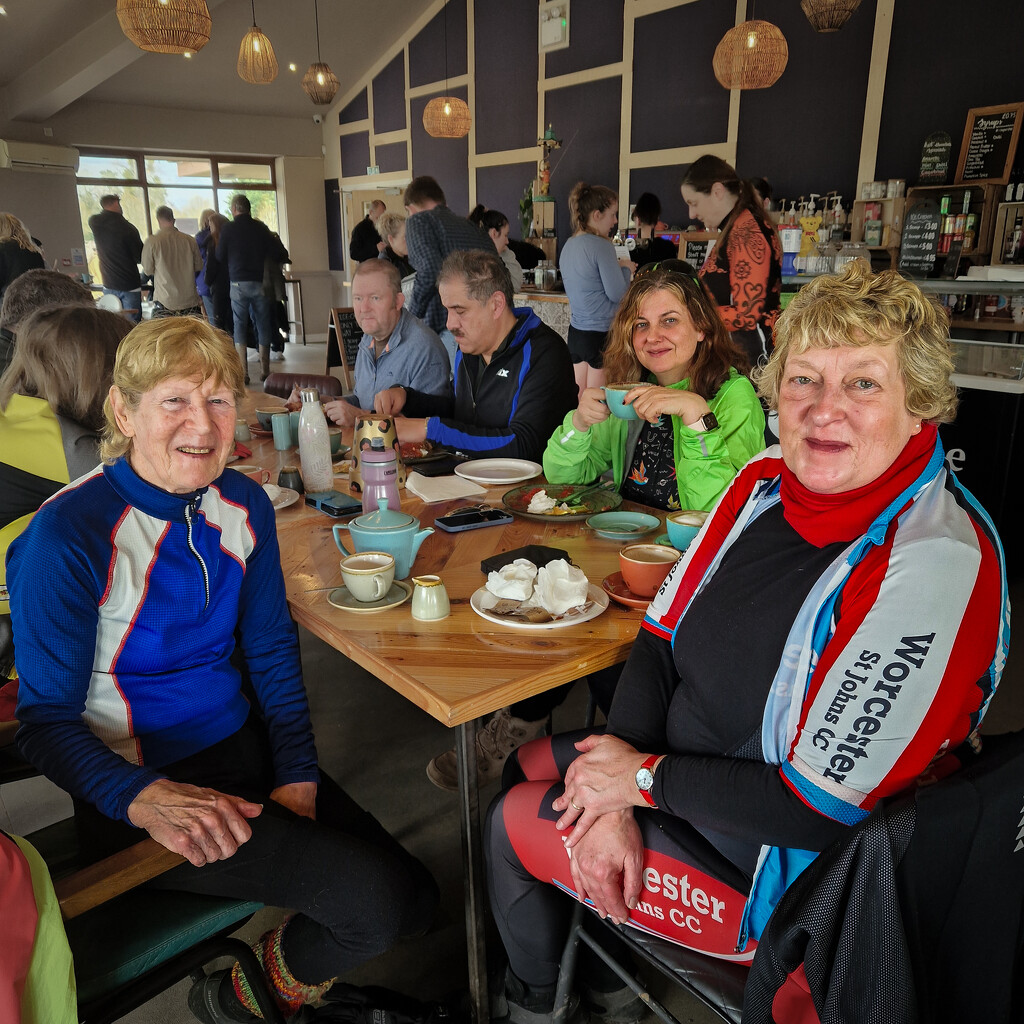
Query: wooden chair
[130, 943]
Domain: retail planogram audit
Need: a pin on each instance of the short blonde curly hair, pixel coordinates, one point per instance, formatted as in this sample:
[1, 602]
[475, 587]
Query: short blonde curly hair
[859, 308]
[157, 350]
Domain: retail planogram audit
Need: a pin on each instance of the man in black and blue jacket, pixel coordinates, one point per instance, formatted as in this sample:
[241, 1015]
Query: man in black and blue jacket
[513, 374]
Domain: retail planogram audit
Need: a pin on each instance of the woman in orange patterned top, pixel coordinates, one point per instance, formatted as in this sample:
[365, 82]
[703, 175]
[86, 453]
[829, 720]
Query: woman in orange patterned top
[744, 269]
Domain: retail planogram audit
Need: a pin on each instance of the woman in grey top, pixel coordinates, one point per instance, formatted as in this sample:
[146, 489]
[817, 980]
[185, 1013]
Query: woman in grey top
[594, 279]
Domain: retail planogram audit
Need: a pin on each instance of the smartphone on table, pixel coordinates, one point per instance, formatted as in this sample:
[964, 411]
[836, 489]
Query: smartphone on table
[472, 517]
[334, 503]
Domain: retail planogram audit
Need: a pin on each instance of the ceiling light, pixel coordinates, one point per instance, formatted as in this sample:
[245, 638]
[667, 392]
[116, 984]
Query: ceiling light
[320, 82]
[256, 61]
[165, 26]
[828, 15]
[752, 55]
[291, 67]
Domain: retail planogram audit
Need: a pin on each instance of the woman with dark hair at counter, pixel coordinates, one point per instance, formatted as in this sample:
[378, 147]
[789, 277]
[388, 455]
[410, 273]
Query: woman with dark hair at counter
[495, 224]
[744, 268]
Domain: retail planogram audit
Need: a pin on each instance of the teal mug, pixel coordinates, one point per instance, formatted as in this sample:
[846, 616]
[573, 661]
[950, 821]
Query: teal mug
[614, 396]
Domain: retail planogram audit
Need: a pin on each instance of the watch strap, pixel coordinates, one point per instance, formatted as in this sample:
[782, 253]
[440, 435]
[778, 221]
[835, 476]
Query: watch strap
[709, 421]
[649, 765]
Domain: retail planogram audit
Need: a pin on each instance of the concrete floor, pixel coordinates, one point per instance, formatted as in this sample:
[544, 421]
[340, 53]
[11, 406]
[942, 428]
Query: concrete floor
[376, 745]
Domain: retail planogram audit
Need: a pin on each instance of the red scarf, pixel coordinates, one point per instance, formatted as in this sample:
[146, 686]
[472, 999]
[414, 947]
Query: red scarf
[826, 518]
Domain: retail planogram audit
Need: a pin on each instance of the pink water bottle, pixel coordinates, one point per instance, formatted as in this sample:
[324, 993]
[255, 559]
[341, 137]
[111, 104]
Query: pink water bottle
[379, 468]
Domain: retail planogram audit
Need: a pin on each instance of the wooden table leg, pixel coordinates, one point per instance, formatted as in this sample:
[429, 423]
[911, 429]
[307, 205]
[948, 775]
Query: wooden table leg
[473, 870]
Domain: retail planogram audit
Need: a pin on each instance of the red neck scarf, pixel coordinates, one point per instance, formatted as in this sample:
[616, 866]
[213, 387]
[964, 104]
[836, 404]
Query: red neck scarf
[826, 518]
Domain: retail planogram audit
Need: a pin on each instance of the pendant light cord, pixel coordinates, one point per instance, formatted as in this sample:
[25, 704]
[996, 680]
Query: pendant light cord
[253, 11]
[316, 15]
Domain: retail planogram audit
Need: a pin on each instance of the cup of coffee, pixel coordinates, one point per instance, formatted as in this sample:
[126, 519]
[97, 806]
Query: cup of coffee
[683, 526]
[264, 414]
[368, 574]
[334, 433]
[257, 473]
[242, 431]
[645, 566]
[614, 395]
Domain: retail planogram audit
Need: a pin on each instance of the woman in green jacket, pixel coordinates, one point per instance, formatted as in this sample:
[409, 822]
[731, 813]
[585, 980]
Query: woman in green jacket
[699, 418]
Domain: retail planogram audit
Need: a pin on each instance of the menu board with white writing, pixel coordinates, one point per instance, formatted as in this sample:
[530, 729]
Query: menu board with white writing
[990, 144]
[919, 244]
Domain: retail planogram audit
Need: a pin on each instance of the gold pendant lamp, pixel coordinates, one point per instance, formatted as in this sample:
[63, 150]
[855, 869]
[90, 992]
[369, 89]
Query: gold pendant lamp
[828, 15]
[447, 117]
[320, 82]
[257, 64]
[165, 26]
[752, 55]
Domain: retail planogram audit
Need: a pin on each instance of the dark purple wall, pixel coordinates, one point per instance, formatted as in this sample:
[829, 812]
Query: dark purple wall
[803, 134]
[664, 183]
[447, 160]
[335, 239]
[506, 75]
[946, 56]
[676, 100]
[501, 188]
[389, 97]
[355, 153]
[392, 157]
[595, 36]
[427, 49]
[357, 109]
[586, 118]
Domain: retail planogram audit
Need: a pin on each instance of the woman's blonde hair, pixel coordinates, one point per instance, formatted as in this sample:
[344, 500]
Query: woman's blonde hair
[65, 356]
[204, 218]
[716, 352]
[12, 230]
[859, 308]
[155, 351]
[586, 199]
[390, 225]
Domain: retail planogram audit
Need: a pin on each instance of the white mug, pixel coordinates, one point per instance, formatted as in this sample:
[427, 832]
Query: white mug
[368, 574]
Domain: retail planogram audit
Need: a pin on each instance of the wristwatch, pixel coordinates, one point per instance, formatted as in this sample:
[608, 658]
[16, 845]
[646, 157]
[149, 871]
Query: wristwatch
[645, 779]
[709, 421]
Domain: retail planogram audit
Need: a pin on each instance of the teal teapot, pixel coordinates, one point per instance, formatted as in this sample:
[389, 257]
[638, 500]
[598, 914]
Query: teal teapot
[396, 533]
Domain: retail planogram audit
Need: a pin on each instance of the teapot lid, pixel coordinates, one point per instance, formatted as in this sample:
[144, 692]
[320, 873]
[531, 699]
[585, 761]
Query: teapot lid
[384, 518]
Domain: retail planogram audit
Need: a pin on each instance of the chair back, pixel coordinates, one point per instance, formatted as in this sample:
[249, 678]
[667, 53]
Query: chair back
[282, 384]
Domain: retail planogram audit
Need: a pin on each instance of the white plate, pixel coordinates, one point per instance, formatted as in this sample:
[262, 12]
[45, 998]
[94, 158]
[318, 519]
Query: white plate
[499, 471]
[598, 603]
[281, 497]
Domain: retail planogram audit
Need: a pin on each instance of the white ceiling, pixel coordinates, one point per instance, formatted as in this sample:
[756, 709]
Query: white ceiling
[56, 52]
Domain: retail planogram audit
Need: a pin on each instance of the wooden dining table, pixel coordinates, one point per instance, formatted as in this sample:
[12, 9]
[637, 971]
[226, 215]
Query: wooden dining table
[462, 668]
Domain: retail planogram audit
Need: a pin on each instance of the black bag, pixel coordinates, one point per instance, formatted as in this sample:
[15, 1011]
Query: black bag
[371, 1004]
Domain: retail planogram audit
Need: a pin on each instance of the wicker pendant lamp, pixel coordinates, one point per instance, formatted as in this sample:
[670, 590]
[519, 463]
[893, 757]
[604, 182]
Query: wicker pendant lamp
[828, 15]
[165, 26]
[752, 55]
[320, 82]
[256, 61]
[447, 117]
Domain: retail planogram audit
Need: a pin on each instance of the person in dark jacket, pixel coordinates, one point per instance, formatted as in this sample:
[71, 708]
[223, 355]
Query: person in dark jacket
[18, 253]
[119, 247]
[215, 276]
[202, 238]
[244, 246]
[365, 241]
[513, 376]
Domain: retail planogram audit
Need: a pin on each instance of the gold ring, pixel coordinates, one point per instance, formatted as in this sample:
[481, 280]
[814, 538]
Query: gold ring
[574, 804]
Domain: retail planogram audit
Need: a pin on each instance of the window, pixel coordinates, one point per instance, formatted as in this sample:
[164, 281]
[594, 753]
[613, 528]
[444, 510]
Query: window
[188, 184]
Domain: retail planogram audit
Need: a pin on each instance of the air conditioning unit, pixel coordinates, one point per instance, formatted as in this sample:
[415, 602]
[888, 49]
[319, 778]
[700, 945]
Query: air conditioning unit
[33, 156]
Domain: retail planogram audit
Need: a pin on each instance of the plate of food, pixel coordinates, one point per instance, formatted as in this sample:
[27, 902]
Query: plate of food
[422, 451]
[509, 612]
[490, 472]
[547, 502]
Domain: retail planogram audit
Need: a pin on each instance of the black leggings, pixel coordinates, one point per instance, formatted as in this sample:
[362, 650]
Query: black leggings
[355, 888]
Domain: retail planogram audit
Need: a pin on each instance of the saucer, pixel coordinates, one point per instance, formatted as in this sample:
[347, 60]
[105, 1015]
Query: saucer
[663, 539]
[341, 598]
[622, 525]
[617, 590]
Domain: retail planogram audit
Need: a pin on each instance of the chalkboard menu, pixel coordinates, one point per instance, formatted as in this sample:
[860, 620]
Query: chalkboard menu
[935, 155]
[351, 335]
[696, 252]
[920, 242]
[990, 143]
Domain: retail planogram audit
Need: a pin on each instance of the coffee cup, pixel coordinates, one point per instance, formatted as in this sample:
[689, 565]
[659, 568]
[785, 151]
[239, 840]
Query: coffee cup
[293, 421]
[257, 473]
[683, 526]
[264, 414]
[334, 433]
[281, 425]
[290, 477]
[242, 431]
[614, 395]
[368, 575]
[645, 566]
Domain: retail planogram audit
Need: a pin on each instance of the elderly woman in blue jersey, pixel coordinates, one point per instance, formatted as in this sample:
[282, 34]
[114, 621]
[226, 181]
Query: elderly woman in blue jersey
[837, 628]
[128, 593]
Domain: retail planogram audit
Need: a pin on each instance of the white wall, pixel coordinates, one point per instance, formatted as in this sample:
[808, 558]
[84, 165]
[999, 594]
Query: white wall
[47, 202]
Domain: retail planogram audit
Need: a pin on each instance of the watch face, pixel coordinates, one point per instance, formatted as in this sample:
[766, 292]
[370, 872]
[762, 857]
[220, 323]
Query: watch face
[710, 421]
[645, 779]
